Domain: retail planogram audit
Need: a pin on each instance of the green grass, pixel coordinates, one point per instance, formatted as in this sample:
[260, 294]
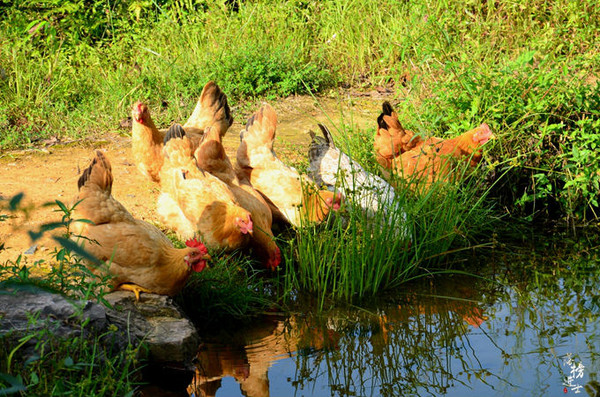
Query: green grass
[80, 365]
[353, 256]
[528, 69]
[231, 291]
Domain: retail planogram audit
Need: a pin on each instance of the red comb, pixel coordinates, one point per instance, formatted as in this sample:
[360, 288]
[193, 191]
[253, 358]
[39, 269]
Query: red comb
[194, 243]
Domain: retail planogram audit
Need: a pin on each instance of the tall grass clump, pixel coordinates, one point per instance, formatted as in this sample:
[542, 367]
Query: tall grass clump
[355, 254]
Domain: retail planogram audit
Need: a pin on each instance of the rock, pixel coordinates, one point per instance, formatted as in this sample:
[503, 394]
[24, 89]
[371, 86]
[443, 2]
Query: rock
[168, 333]
[39, 314]
[31, 250]
[19, 306]
[169, 336]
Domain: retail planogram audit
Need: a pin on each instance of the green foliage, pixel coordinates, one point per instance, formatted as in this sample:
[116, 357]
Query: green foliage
[254, 71]
[547, 123]
[69, 275]
[228, 292]
[530, 70]
[81, 365]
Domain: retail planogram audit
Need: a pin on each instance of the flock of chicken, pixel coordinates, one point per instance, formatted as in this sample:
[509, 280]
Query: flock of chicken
[210, 202]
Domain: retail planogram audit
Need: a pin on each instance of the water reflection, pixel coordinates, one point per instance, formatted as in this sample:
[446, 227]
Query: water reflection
[349, 349]
[248, 355]
[530, 327]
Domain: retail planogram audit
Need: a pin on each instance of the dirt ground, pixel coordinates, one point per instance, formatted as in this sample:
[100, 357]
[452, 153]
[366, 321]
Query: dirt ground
[50, 172]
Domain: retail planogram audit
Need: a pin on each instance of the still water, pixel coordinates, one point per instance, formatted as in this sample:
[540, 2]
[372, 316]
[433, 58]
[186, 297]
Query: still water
[527, 326]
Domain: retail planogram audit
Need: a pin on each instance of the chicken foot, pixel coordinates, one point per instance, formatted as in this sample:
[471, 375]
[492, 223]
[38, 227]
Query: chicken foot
[136, 289]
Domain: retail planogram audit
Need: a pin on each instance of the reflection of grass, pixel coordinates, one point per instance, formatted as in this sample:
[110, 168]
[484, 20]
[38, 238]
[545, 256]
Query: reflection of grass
[555, 286]
[407, 348]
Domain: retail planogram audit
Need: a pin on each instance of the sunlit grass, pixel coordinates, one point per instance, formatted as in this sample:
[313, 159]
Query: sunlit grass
[357, 254]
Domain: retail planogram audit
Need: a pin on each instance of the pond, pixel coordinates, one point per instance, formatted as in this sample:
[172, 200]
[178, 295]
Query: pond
[527, 325]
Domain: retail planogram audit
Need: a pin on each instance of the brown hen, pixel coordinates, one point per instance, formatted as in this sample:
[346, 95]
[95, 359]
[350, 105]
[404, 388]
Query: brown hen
[137, 255]
[427, 160]
[211, 157]
[147, 139]
[195, 201]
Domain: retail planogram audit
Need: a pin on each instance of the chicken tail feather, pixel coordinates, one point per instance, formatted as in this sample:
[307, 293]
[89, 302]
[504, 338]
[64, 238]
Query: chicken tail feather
[263, 123]
[327, 135]
[99, 173]
[212, 110]
[389, 118]
[175, 131]
[387, 108]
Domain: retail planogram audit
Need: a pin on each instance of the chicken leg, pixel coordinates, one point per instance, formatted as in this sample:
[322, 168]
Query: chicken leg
[136, 289]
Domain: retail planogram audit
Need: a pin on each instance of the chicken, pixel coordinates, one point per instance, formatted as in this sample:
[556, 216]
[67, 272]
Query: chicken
[194, 201]
[137, 255]
[435, 159]
[211, 157]
[333, 168]
[147, 140]
[391, 139]
[431, 159]
[291, 196]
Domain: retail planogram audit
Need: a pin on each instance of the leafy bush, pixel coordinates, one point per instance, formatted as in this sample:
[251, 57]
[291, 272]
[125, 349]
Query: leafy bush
[547, 123]
[254, 71]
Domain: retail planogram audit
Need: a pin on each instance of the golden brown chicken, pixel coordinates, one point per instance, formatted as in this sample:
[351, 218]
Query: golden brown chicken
[211, 157]
[138, 256]
[431, 159]
[195, 201]
[436, 158]
[147, 139]
[146, 142]
[391, 139]
[291, 196]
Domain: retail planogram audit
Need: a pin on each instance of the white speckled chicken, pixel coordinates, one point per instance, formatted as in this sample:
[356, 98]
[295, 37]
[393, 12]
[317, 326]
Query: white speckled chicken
[336, 170]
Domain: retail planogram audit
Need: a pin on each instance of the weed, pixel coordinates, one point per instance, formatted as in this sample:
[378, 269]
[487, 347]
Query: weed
[229, 291]
[80, 365]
